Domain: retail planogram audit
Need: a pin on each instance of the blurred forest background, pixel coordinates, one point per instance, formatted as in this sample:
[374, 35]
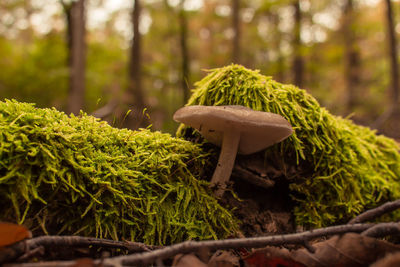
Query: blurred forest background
[109, 56]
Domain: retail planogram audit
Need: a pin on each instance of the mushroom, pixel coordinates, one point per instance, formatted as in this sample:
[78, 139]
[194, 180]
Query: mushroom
[236, 129]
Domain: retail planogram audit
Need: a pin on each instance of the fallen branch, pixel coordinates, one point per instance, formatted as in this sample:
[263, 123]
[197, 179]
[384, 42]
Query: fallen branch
[150, 254]
[12, 252]
[253, 242]
[148, 257]
[376, 212]
[47, 264]
[383, 229]
[246, 175]
[32, 253]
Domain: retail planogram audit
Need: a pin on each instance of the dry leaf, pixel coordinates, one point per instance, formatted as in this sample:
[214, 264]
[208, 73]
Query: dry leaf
[223, 258]
[389, 260]
[85, 262]
[183, 260]
[270, 257]
[12, 233]
[350, 249]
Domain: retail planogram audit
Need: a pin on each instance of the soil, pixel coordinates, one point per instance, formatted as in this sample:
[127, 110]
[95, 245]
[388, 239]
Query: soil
[262, 210]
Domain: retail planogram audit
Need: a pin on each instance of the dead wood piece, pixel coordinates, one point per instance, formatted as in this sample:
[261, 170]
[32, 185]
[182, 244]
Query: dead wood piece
[83, 262]
[253, 242]
[376, 212]
[154, 254]
[383, 229]
[193, 246]
[32, 253]
[14, 251]
[252, 178]
[42, 264]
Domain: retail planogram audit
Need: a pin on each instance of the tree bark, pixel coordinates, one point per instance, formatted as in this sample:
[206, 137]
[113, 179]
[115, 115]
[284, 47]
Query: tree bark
[352, 57]
[75, 14]
[393, 110]
[298, 62]
[393, 55]
[135, 91]
[280, 69]
[184, 52]
[236, 30]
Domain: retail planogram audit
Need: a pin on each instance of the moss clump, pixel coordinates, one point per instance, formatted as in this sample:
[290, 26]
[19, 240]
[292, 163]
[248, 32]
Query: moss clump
[342, 168]
[78, 175]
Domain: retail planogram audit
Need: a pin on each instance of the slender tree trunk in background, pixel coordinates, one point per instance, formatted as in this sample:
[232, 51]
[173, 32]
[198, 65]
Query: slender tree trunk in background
[184, 52]
[352, 57]
[136, 96]
[236, 30]
[75, 13]
[280, 68]
[393, 55]
[28, 33]
[393, 110]
[280, 74]
[298, 62]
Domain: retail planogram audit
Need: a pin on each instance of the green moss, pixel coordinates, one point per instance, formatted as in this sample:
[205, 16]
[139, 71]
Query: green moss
[78, 175]
[342, 168]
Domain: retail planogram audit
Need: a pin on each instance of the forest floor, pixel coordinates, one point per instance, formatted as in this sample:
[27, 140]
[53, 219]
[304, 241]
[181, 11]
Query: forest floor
[268, 238]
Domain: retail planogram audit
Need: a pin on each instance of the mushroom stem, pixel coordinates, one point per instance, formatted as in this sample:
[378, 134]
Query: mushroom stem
[226, 161]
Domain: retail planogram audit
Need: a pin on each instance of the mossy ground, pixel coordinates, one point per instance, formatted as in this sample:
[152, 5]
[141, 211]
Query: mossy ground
[343, 168]
[64, 174]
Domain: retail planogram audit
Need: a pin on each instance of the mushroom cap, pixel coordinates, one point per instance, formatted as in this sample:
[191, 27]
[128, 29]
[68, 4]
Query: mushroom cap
[258, 129]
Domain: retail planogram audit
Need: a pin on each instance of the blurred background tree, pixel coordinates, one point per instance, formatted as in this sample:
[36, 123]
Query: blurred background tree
[76, 46]
[148, 53]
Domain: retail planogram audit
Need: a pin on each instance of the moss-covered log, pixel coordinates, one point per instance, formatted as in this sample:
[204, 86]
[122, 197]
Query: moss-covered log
[343, 168]
[78, 175]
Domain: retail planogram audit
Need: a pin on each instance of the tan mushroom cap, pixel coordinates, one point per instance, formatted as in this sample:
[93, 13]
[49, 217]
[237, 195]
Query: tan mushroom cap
[258, 129]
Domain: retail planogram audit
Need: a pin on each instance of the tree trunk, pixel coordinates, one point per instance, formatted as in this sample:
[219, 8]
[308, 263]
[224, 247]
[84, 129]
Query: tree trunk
[393, 55]
[28, 34]
[135, 91]
[184, 52]
[352, 57]
[280, 68]
[298, 62]
[236, 30]
[393, 110]
[75, 13]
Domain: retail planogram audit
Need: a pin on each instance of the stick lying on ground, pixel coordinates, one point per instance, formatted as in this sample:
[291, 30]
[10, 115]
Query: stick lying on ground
[254, 242]
[16, 250]
[149, 254]
[376, 212]
[192, 246]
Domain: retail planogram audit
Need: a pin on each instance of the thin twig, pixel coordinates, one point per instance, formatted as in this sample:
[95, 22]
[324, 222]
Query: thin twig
[242, 173]
[31, 253]
[16, 250]
[376, 212]
[44, 264]
[380, 229]
[368, 229]
[383, 229]
[253, 242]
